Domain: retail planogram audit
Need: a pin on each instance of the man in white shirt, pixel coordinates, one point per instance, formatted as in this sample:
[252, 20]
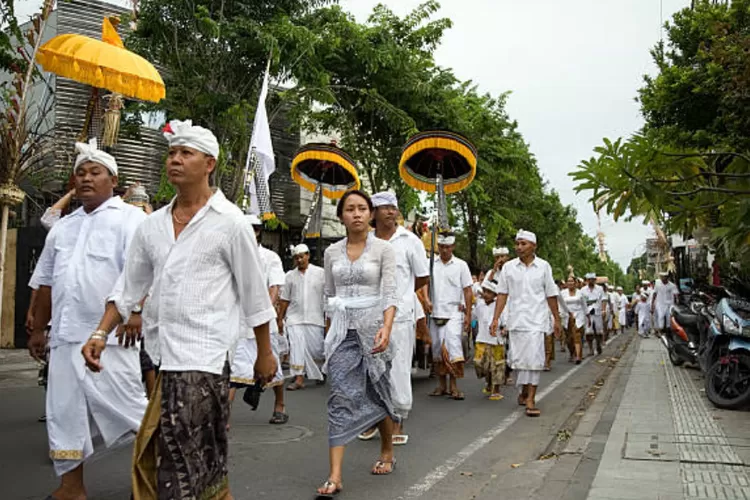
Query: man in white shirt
[662, 299]
[450, 311]
[596, 307]
[413, 273]
[242, 370]
[623, 304]
[528, 289]
[301, 309]
[199, 257]
[82, 259]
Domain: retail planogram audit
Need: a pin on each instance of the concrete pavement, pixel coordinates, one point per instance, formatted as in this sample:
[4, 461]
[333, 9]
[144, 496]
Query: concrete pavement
[458, 450]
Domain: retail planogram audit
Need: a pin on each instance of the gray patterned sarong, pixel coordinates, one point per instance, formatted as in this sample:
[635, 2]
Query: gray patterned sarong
[356, 402]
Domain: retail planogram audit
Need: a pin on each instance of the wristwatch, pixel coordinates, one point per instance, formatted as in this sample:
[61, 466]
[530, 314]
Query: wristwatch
[137, 309]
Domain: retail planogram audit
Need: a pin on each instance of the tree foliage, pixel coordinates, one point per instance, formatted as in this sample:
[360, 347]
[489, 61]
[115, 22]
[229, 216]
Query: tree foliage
[373, 84]
[689, 168]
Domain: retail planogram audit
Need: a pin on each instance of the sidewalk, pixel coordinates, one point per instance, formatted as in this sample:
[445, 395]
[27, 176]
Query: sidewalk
[665, 442]
[17, 369]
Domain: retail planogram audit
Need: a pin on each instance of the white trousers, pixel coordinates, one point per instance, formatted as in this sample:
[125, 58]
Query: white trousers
[242, 371]
[82, 404]
[306, 350]
[661, 317]
[403, 338]
[450, 335]
[644, 324]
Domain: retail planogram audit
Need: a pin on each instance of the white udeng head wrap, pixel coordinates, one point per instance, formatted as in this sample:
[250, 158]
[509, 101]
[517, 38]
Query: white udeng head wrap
[500, 251]
[89, 152]
[526, 235]
[384, 198]
[184, 133]
[590, 276]
[446, 239]
[300, 249]
[645, 282]
[663, 274]
[619, 289]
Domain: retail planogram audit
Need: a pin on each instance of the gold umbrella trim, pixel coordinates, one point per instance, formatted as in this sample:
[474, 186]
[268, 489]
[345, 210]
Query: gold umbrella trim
[423, 183]
[328, 191]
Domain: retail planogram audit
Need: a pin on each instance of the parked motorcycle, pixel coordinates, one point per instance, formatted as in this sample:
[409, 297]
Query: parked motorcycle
[727, 355]
[688, 325]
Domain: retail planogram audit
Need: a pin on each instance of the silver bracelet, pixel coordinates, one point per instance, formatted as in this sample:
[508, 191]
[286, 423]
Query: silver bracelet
[99, 335]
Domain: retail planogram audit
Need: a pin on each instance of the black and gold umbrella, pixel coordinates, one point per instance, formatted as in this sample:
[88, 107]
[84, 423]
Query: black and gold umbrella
[329, 172]
[438, 162]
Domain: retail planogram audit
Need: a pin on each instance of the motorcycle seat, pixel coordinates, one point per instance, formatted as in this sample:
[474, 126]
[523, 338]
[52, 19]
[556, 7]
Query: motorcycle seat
[685, 317]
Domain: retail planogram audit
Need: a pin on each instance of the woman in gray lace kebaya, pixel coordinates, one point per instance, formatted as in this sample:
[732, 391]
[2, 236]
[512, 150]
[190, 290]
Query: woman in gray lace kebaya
[361, 293]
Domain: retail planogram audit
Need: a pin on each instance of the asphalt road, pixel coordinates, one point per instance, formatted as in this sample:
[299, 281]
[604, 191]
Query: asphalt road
[453, 444]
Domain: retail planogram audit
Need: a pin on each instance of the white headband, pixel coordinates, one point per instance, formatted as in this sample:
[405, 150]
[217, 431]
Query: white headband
[89, 152]
[663, 274]
[446, 240]
[184, 133]
[384, 198]
[300, 249]
[500, 251]
[526, 235]
[645, 282]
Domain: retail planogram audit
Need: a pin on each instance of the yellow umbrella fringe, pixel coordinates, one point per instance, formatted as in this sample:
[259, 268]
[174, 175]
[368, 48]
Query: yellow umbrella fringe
[450, 185]
[312, 235]
[124, 83]
[310, 184]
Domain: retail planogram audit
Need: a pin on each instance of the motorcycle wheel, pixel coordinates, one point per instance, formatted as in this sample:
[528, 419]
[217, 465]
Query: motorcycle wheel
[675, 359]
[728, 384]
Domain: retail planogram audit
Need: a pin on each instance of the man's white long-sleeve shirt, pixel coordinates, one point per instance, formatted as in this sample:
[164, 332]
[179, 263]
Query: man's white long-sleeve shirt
[206, 286]
[83, 257]
[304, 292]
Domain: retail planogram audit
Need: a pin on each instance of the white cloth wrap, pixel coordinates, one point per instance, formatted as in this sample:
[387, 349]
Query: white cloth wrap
[82, 404]
[527, 350]
[89, 152]
[184, 133]
[337, 309]
[403, 340]
[306, 349]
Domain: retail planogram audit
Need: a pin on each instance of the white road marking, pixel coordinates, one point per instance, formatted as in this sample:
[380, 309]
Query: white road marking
[440, 472]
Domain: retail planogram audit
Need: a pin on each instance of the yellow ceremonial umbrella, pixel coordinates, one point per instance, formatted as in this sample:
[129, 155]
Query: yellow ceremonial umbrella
[104, 64]
[329, 172]
[439, 162]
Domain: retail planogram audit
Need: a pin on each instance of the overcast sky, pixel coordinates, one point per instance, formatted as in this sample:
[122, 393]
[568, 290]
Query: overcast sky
[573, 68]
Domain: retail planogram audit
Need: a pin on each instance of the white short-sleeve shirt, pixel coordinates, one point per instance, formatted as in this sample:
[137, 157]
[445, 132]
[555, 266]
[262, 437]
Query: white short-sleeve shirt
[411, 263]
[304, 292]
[449, 280]
[527, 288]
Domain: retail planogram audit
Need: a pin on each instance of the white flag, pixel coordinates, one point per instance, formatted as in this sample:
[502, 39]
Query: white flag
[262, 148]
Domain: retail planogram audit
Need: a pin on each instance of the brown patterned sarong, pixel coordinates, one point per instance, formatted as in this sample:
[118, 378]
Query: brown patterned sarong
[489, 361]
[181, 448]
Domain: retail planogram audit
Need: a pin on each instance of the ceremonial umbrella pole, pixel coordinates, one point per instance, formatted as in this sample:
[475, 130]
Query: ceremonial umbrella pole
[443, 163]
[103, 64]
[327, 171]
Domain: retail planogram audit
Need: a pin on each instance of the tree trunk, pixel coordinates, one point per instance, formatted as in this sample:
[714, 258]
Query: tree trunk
[472, 234]
[3, 241]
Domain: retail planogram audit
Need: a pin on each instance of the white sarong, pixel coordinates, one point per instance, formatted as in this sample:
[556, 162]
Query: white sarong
[527, 356]
[306, 350]
[242, 371]
[113, 400]
[623, 318]
[450, 335]
[403, 338]
[595, 325]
